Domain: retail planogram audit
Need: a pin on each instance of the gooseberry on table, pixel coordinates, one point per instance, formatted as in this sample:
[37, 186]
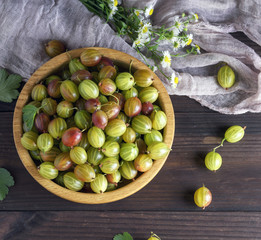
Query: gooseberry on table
[202, 197]
[234, 134]
[213, 161]
[54, 48]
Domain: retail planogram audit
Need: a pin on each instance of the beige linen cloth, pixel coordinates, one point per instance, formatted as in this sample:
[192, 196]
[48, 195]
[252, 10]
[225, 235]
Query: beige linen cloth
[26, 25]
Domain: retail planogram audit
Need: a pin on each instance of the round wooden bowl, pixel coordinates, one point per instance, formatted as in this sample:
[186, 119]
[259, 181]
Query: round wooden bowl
[123, 60]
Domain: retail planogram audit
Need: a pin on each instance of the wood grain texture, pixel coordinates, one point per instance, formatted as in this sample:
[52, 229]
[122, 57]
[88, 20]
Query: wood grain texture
[104, 225]
[122, 60]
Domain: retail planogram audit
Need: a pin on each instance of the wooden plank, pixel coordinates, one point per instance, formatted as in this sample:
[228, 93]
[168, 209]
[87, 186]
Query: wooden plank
[101, 225]
[235, 187]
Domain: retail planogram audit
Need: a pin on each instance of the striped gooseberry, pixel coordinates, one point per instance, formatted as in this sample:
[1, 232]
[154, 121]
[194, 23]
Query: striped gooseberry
[202, 197]
[226, 77]
[99, 184]
[96, 137]
[109, 165]
[234, 134]
[213, 161]
[90, 57]
[72, 136]
[47, 170]
[129, 151]
[45, 142]
[72, 182]
[127, 170]
[29, 140]
[84, 172]
[69, 91]
[124, 81]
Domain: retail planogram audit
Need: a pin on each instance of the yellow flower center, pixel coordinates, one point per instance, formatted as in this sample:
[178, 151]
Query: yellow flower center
[189, 41]
[137, 42]
[167, 59]
[151, 11]
[137, 13]
[115, 3]
[196, 16]
[198, 47]
[176, 80]
[145, 29]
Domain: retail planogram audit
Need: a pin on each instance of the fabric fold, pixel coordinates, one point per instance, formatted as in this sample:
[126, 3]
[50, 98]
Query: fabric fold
[26, 25]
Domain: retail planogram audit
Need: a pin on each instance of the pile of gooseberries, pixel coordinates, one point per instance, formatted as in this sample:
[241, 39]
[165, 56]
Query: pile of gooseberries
[97, 127]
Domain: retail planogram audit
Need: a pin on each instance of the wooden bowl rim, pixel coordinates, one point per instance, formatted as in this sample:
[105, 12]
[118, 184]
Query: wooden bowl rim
[80, 197]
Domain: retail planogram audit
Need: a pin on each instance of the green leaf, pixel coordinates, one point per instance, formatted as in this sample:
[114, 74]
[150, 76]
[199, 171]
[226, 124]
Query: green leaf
[127, 236]
[124, 236]
[118, 237]
[29, 112]
[9, 85]
[102, 6]
[6, 180]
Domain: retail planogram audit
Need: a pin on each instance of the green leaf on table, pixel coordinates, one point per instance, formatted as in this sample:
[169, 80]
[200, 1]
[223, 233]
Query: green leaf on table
[6, 180]
[124, 236]
[8, 86]
[29, 112]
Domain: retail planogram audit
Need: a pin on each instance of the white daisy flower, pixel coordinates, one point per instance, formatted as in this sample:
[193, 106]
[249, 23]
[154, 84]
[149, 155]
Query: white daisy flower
[178, 23]
[195, 17]
[183, 43]
[189, 39]
[113, 11]
[148, 11]
[174, 38]
[174, 80]
[113, 6]
[198, 48]
[145, 29]
[176, 45]
[166, 60]
[139, 42]
[175, 31]
[138, 12]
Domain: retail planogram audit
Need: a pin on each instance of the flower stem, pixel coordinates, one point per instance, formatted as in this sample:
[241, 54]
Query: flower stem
[141, 55]
[161, 71]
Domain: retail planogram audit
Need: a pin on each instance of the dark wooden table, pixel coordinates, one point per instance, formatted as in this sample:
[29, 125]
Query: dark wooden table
[165, 206]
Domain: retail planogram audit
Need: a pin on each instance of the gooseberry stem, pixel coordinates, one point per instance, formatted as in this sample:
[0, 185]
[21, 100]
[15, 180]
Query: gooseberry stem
[118, 102]
[130, 66]
[84, 129]
[105, 104]
[154, 235]
[38, 109]
[221, 145]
